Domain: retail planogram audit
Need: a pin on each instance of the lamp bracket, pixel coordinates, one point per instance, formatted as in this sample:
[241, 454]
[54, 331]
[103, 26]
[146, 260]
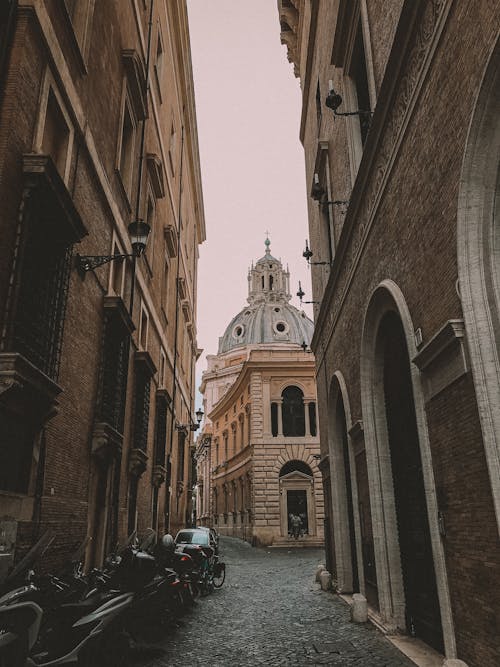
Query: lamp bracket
[86, 263]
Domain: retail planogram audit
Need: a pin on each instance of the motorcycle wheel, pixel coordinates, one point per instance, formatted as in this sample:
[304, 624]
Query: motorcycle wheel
[219, 577]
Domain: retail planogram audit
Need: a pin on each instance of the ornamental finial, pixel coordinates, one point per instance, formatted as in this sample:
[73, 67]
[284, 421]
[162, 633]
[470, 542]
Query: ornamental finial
[267, 243]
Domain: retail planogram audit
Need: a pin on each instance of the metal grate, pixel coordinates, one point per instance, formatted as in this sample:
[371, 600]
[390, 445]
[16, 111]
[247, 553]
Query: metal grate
[141, 409]
[161, 429]
[114, 369]
[42, 288]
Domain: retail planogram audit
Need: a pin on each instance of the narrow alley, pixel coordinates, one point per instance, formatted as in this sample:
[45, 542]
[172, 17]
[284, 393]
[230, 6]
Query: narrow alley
[270, 612]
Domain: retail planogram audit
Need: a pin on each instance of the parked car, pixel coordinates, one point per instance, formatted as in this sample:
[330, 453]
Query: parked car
[194, 536]
[214, 535]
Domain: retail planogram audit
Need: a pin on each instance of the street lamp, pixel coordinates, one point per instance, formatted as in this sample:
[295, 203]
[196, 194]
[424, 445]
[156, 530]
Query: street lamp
[301, 294]
[191, 426]
[138, 232]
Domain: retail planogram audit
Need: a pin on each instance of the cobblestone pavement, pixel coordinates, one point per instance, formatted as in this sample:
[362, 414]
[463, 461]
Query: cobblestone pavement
[270, 612]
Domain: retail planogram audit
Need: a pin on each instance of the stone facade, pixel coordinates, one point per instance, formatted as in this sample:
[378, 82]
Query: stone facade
[406, 335]
[256, 467]
[90, 413]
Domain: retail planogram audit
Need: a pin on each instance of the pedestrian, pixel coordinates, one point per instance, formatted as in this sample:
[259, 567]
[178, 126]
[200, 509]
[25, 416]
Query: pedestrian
[296, 522]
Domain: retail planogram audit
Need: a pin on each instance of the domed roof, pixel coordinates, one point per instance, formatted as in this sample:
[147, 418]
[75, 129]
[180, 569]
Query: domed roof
[269, 317]
[267, 322]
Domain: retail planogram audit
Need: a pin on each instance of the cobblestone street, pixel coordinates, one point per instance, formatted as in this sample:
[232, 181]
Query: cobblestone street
[270, 612]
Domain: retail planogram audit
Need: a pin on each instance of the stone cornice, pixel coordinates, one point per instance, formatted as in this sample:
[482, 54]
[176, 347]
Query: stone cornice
[416, 37]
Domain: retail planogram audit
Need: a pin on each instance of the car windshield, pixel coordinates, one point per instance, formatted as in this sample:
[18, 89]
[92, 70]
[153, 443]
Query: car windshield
[192, 537]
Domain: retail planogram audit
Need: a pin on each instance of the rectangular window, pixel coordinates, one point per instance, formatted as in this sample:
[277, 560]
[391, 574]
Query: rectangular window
[117, 273]
[56, 134]
[181, 444]
[161, 418]
[165, 288]
[359, 75]
[159, 63]
[80, 13]
[143, 333]
[127, 144]
[150, 218]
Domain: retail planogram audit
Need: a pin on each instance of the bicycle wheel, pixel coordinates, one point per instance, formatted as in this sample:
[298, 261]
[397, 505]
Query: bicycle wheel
[219, 575]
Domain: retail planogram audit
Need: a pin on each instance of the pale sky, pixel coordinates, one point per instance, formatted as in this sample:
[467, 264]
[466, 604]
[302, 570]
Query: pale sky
[248, 105]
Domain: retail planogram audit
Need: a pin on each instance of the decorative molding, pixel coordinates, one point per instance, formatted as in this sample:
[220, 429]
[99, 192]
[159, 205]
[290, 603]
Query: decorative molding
[396, 103]
[137, 462]
[106, 442]
[443, 359]
[115, 307]
[171, 240]
[26, 389]
[143, 361]
[39, 171]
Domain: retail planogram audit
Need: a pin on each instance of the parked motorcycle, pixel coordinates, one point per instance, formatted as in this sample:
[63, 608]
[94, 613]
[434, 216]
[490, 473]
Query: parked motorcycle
[82, 619]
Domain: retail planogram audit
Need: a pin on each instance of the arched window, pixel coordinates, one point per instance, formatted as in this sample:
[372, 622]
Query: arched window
[271, 281]
[294, 423]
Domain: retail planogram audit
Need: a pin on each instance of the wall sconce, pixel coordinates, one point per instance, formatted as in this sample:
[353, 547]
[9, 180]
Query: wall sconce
[308, 253]
[138, 231]
[301, 294]
[318, 193]
[191, 426]
[334, 100]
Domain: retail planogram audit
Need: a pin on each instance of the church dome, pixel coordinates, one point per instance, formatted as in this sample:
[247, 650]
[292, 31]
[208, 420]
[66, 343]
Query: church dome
[269, 317]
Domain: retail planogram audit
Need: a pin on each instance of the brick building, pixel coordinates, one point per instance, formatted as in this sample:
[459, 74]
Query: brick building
[401, 137]
[97, 130]
[258, 450]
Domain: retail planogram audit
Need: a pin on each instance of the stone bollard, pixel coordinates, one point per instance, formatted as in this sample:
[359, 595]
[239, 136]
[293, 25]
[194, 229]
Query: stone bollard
[454, 662]
[359, 609]
[319, 570]
[325, 579]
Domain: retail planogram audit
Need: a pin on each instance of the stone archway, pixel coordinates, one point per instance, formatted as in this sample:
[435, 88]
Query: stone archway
[478, 248]
[381, 436]
[348, 558]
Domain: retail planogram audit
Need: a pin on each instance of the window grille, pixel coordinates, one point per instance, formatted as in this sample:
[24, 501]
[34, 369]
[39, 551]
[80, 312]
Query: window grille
[161, 428]
[42, 280]
[180, 460]
[141, 408]
[114, 369]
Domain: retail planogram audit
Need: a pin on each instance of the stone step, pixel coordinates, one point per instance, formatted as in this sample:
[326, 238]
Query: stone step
[302, 542]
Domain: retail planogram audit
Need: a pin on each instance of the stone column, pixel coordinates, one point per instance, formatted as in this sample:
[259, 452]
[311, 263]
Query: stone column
[279, 402]
[306, 415]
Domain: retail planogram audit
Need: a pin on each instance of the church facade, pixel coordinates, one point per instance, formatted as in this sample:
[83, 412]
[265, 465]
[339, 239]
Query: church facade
[259, 448]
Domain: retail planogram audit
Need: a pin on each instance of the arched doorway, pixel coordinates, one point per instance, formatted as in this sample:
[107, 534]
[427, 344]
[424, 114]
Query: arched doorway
[343, 493]
[297, 498]
[422, 613]
[389, 389]
[478, 251]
